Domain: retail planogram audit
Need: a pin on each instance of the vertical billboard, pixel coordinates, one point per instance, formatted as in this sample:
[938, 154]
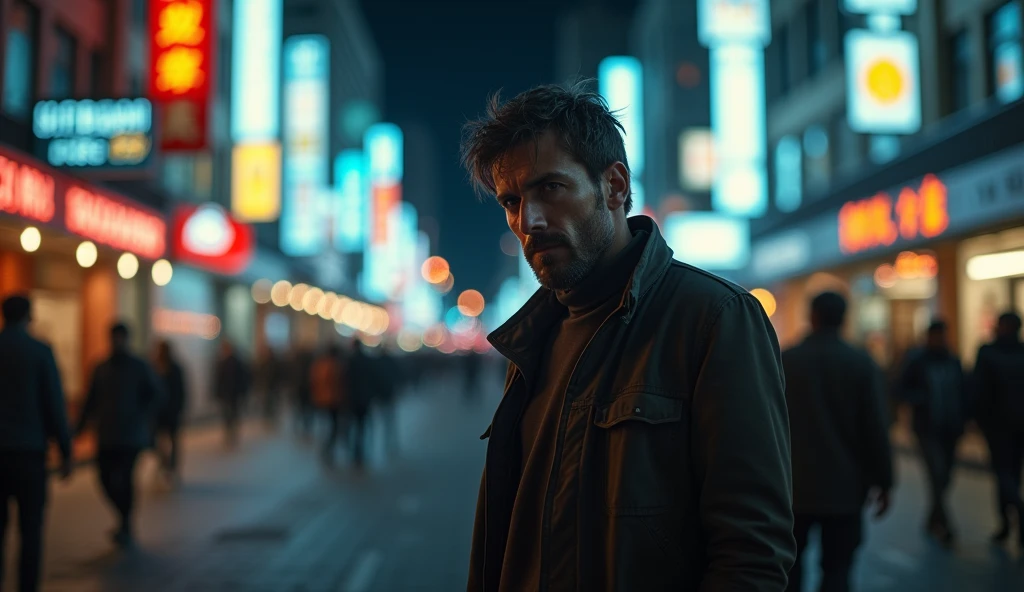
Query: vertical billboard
[303, 229]
[620, 82]
[384, 146]
[883, 90]
[351, 201]
[788, 174]
[708, 239]
[721, 22]
[740, 187]
[256, 70]
[181, 34]
[256, 181]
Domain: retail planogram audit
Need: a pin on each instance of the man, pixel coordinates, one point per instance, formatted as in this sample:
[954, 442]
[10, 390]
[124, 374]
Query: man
[327, 382]
[642, 442]
[124, 397]
[841, 450]
[32, 413]
[999, 378]
[933, 384]
[232, 383]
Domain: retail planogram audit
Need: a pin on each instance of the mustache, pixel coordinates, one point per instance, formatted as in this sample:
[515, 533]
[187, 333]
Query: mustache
[539, 242]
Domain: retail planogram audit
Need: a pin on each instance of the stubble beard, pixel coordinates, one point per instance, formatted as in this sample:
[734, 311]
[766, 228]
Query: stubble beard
[595, 236]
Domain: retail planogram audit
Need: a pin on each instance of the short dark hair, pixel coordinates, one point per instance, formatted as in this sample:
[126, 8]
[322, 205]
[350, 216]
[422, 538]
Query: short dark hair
[937, 327]
[588, 130]
[1011, 321]
[829, 309]
[119, 330]
[16, 309]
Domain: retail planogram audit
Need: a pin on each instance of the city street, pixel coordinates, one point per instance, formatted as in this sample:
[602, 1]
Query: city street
[269, 517]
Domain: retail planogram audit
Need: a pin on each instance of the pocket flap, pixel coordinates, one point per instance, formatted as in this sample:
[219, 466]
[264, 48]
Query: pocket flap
[645, 407]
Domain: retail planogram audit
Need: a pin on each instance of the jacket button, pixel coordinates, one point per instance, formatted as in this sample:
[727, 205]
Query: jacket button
[637, 410]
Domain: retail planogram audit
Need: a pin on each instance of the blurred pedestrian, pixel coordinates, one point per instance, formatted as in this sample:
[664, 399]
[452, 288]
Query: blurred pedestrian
[302, 363]
[392, 378]
[232, 384]
[642, 442]
[327, 384]
[363, 381]
[32, 413]
[841, 451]
[933, 384]
[999, 381]
[123, 400]
[268, 383]
[168, 426]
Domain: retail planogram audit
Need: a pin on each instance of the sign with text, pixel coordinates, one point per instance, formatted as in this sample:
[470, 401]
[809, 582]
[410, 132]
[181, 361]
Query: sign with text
[256, 70]
[879, 220]
[181, 35]
[883, 86]
[734, 21]
[96, 134]
[351, 201]
[26, 191]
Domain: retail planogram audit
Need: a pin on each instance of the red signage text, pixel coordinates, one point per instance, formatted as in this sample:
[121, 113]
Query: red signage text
[114, 223]
[26, 191]
[879, 221]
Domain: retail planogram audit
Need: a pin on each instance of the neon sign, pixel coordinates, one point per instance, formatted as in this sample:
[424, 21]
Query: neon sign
[206, 236]
[181, 322]
[26, 191]
[878, 221]
[87, 133]
[114, 223]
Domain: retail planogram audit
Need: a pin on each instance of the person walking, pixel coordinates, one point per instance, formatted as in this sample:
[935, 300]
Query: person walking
[363, 382]
[642, 442]
[32, 414]
[933, 383]
[841, 451]
[999, 384]
[123, 400]
[328, 388]
[232, 384]
[168, 427]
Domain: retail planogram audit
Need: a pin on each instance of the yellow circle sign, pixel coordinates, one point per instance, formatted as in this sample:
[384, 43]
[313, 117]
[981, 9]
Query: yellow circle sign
[885, 81]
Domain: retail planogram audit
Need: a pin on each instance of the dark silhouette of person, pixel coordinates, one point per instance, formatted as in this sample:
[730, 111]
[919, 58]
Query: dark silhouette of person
[933, 384]
[232, 384]
[124, 398]
[392, 378]
[32, 414]
[363, 382]
[329, 394]
[301, 364]
[642, 442]
[999, 384]
[168, 426]
[841, 451]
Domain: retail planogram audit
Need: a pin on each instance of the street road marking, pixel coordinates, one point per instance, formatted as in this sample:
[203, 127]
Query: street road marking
[364, 570]
[409, 504]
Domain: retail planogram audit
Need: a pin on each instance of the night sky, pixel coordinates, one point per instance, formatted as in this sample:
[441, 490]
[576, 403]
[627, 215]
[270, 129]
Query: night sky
[442, 58]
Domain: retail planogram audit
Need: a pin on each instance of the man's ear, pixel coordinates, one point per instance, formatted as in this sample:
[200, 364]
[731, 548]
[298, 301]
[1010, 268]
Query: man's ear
[616, 179]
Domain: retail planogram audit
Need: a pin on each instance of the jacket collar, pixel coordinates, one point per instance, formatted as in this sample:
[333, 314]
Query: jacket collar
[519, 338]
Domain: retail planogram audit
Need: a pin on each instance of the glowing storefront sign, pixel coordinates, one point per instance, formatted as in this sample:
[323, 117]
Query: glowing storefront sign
[708, 239]
[111, 133]
[351, 202]
[207, 237]
[384, 143]
[306, 161]
[878, 221]
[385, 199]
[26, 191]
[696, 159]
[731, 21]
[788, 174]
[894, 7]
[256, 70]
[256, 181]
[883, 91]
[114, 223]
[182, 322]
[181, 69]
[620, 82]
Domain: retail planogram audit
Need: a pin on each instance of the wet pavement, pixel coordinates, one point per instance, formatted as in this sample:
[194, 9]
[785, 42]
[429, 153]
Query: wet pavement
[269, 517]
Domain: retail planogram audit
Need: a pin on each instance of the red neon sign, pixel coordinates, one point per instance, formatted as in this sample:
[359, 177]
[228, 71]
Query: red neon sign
[206, 236]
[26, 191]
[877, 222]
[113, 223]
[385, 198]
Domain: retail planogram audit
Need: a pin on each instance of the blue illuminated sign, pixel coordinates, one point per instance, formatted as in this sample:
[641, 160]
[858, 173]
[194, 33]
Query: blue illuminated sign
[708, 239]
[620, 82]
[351, 201]
[303, 226]
[256, 70]
[740, 187]
[383, 143]
[104, 133]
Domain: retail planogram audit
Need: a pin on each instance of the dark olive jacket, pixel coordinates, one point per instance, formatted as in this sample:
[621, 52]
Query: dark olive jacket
[672, 460]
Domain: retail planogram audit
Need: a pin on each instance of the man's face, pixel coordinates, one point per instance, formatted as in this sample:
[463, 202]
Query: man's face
[555, 209]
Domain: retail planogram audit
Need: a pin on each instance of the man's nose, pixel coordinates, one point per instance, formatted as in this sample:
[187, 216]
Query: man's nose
[531, 218]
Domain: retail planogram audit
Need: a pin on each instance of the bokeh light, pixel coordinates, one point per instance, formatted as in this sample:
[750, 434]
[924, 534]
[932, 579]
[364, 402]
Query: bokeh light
[31, 239]
[510, 244]
[86, 254]
[471, 303]
[127, 266]
[262, 291]
[296, 295]
[435, 270]
[280, 293]
[767, 300]
[447, 285]
[162, 272]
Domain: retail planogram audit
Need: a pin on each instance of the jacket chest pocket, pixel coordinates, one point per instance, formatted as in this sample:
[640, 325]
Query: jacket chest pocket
[640, 434]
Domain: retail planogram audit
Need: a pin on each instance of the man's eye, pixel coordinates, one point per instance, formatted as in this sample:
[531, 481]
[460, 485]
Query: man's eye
[508, 203]
[552, 186]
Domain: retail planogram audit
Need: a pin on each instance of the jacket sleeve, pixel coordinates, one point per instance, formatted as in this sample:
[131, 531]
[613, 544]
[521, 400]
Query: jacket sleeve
[875, 426]
[56, 409]
[89, 407]
[741, 454]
